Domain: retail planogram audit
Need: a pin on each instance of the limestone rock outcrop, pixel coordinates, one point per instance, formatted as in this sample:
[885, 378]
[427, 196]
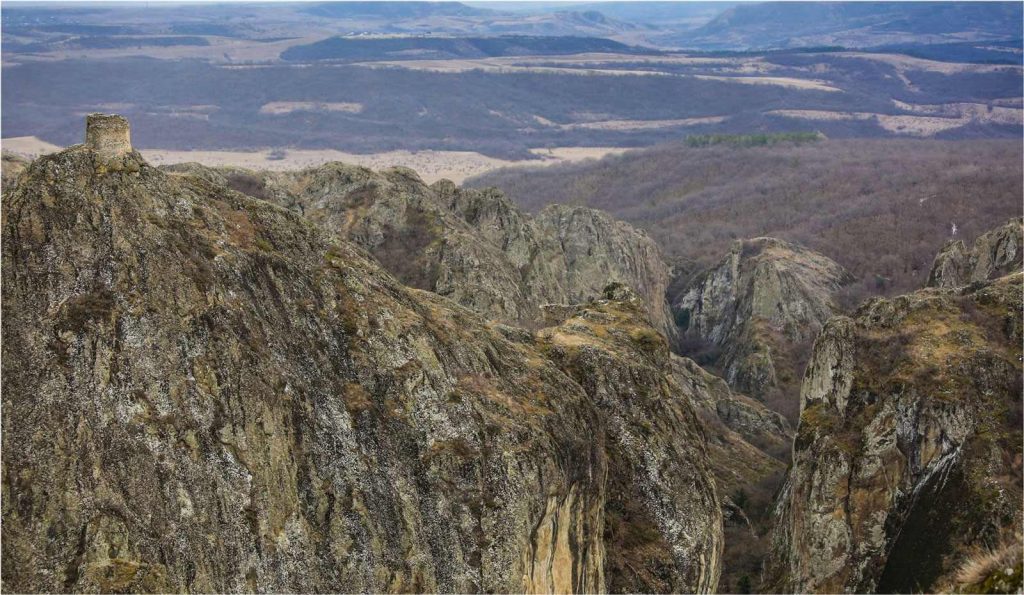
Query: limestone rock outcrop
[907, 459]
[204, 392]
[472, 246]
[748, 449]
[994, 254]
[759, 308]
[742, 433]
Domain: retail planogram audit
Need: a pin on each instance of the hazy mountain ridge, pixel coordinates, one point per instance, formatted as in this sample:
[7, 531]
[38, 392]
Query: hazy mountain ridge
[470, 79]
[856, 24]
[438, 48]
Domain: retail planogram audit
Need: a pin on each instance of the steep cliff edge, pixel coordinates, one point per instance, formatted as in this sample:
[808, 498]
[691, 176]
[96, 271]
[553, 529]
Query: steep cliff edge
[907, 460]
[748, 449]
[994, 254]
[759, 309]
[663, 521]
[472, 246]
[203, 392]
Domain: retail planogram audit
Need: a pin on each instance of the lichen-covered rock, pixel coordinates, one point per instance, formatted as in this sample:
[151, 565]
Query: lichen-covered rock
[597, 250]
[472, 246]
[951, 266]
[740, 414]
[746, 441]
[907, 455]
[994, 254]
[11, 167]
[663, 520]
[202, 392]
[760, 306]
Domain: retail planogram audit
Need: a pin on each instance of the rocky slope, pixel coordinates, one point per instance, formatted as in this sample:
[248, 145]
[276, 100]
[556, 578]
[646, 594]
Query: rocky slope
[907, 460]
[473, 246]
[994, 254]
[11, 167]
[748, 448]
[202, 392]
[663, 512]
[758, 309]
[741, 432]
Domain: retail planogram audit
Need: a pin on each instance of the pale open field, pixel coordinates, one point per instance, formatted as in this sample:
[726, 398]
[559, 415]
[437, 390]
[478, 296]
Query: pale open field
[938, 119]
[287, 107]
[592, 67]
[904, 62]
[430, 165]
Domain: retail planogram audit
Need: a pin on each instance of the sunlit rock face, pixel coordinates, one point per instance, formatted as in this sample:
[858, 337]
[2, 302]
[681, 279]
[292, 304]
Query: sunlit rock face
[663, 521]
[907, 457]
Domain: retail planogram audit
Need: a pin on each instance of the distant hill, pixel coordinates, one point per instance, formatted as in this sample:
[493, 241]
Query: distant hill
[660, 13]
[396, 10]
[856, 24]
[441, 48]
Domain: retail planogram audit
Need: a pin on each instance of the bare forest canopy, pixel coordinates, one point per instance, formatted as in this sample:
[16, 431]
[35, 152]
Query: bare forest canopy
[880, 208]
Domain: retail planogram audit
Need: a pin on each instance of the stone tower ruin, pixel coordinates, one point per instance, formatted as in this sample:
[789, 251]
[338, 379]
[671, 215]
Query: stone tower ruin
[109, 135]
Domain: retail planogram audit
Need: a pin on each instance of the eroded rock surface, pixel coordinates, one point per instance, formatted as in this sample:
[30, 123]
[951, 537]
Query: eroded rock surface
[663, 523]
[994, 254]
[759, 308]
[748, 449]
[472, 246]
[907, 459]
[204, 392]
[11, 167]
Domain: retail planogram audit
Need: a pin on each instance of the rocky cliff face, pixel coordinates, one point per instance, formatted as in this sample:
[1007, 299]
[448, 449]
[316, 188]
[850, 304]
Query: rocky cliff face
[748, 447]
[11, 167]
[994, 254]
[598, 250]
[759, 308]
[663, 519]
[472, 246]
[907, 460]
[202, 392]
